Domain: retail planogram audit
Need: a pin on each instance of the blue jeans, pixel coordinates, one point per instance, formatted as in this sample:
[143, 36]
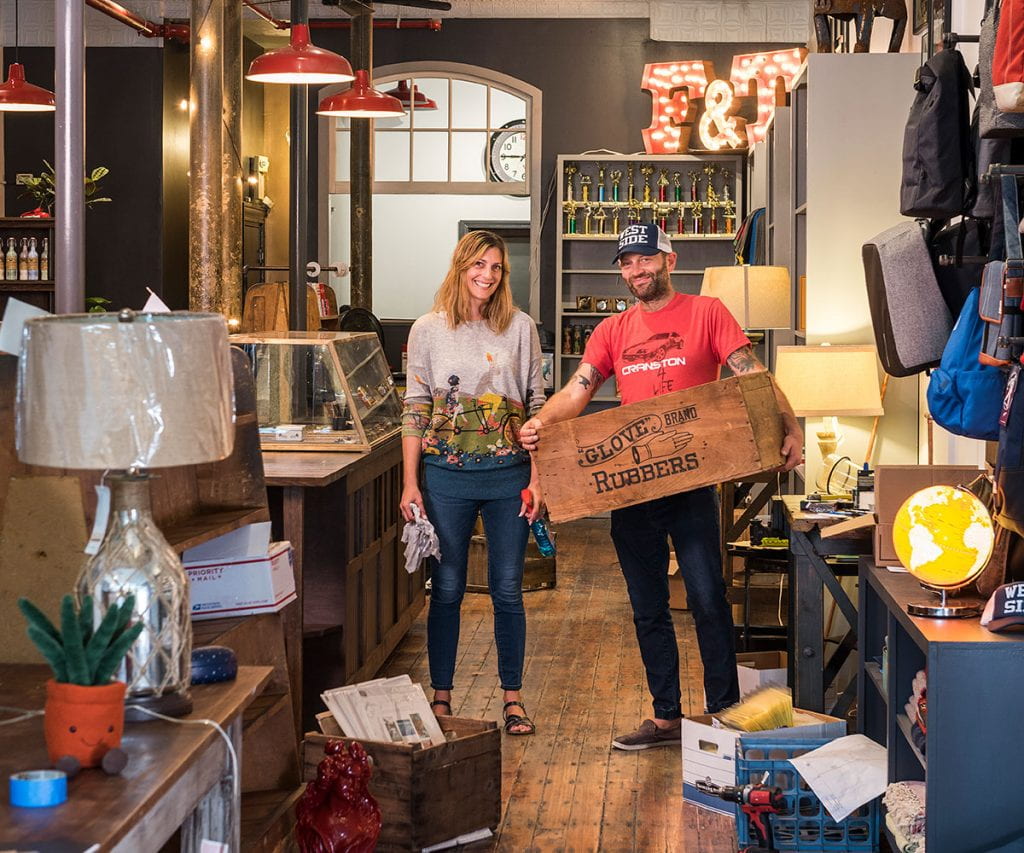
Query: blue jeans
[453, 516]
[640, 534]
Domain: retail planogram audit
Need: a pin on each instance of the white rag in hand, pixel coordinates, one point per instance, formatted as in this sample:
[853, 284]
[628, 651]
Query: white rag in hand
[420, 541]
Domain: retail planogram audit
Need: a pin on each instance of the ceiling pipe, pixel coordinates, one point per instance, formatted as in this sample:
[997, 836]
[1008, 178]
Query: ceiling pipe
[182, 32]
[149, 29]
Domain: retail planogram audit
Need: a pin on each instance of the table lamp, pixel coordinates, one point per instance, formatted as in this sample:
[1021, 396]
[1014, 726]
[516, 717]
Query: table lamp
[122, 393]
[759, 297]
[828, 382]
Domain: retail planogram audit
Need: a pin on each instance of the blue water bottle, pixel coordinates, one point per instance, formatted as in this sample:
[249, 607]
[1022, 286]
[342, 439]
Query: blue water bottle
[539, 528]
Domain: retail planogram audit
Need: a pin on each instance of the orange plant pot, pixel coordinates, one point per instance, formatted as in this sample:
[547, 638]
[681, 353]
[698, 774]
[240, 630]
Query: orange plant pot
[83, 721]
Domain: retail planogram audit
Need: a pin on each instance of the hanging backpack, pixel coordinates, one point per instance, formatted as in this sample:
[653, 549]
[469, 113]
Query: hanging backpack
[964, 395]
[939, 178]
[909, 315]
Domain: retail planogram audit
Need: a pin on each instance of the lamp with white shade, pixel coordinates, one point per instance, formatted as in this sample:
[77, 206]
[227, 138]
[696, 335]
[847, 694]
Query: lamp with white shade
[759, 297]
[124, 393]
[831, 382]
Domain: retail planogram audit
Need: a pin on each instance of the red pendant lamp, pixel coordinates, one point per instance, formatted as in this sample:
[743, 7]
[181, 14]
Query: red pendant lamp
[411, 96]
[17, 94]
[301, 62]
[361, 101]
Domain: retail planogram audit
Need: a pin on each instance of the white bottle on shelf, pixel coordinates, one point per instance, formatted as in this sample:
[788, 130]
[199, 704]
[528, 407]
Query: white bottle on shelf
[11, 260]
[23, 260]
[33, 260]
[44, 260]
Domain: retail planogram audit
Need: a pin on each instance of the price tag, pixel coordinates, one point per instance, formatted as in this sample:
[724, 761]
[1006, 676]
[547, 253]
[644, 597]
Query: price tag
[99, 526]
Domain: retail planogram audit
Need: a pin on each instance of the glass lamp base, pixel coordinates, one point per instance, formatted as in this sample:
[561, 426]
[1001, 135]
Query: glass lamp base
[170, 705]
[943, 610]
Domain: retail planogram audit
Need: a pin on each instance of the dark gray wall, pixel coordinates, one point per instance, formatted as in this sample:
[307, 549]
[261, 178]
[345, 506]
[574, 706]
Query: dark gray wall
[123, 132]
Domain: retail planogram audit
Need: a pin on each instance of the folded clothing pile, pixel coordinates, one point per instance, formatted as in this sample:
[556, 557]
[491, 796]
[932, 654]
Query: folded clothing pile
[904, 806]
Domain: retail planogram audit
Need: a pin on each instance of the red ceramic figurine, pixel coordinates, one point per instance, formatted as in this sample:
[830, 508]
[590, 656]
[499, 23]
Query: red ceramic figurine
[336, 813]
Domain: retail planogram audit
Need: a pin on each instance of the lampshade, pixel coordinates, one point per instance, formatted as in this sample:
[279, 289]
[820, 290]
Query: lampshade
[149, 390]
[361, 101]
[18, 95]
[301, 62]
[411, 96]
[829, 380]
[757, 296]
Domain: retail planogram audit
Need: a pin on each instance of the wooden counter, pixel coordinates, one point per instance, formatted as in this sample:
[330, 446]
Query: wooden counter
[177, 775]
[340, 512]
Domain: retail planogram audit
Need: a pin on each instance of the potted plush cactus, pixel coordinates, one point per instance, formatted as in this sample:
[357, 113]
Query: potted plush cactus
[84, 714]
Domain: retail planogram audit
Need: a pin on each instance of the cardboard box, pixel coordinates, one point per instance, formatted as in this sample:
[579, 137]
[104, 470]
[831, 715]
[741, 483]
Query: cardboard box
[240, 573]
[432, 794]
[539, 572]
[704, 435]
[676, 587]
[709, 753]
[759, 669]
[894, 484]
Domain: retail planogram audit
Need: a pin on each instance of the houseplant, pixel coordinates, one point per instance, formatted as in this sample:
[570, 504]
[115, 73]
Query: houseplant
[84, 712]
[43, 189]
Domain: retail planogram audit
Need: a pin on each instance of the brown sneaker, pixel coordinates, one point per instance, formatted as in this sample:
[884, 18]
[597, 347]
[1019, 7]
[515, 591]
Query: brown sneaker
[649, 735]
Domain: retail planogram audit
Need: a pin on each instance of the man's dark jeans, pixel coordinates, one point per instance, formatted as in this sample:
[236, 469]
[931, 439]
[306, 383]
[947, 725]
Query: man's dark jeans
[641, 535]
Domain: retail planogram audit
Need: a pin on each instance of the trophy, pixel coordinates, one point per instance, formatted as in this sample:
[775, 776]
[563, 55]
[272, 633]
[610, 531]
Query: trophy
[600, 182]
[615, 220]
[616, 176]
[680, 217]
[599, 217]
[697, 209]
[570, 170]
[677, 187]
[634, 211]
[694, 185]
[729, 215]
[585, 182]
[570, 216]
[663, 185]
[647, 170]
[632, 186]
[588, 212]
[711, 199]
[661, 212]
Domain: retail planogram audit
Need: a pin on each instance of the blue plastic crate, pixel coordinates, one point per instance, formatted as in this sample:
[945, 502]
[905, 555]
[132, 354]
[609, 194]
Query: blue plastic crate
[803, 824]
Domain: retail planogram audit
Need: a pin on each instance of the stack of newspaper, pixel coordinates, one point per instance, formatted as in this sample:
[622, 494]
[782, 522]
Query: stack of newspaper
[385, 709]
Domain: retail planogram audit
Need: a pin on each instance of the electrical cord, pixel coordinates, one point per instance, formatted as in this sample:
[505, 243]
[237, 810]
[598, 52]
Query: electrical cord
[235, 778]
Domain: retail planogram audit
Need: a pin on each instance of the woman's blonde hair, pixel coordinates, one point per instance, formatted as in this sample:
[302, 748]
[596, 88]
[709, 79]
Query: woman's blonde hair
[452, 297]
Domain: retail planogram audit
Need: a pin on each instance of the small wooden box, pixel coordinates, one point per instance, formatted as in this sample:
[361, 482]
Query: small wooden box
[725, 430]
[538, 571]
[429, 795]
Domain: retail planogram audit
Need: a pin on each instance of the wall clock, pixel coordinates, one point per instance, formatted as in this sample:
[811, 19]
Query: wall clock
[506, 155]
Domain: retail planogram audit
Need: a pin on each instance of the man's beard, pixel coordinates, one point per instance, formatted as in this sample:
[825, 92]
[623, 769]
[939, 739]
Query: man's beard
[654, 290]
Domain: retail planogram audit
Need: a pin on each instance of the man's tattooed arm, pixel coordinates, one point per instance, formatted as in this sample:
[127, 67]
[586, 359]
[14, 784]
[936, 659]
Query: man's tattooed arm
[744, 361]
[588, 377]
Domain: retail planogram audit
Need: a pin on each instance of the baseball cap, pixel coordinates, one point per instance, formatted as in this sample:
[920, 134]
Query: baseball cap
[646, 239]
[1005, 607]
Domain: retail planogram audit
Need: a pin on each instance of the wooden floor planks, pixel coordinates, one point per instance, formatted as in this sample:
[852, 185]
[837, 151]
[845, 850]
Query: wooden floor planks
[565, 788]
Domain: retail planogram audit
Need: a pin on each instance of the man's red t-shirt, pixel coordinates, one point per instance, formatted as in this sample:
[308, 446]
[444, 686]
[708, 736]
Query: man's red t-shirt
[655, 352]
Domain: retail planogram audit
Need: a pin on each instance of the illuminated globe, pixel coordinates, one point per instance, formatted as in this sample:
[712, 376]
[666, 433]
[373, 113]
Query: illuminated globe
[943, 536]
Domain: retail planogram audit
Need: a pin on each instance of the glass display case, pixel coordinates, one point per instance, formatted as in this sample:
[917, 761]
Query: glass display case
[321, 390]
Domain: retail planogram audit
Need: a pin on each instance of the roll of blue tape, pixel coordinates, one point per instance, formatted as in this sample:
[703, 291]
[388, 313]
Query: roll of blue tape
[38, 788]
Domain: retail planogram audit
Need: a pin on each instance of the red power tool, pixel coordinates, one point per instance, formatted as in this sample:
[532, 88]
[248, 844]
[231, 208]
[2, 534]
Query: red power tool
[757, 802]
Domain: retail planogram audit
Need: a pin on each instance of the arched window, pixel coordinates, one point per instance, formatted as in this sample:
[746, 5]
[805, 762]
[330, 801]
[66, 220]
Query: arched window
[469, 158]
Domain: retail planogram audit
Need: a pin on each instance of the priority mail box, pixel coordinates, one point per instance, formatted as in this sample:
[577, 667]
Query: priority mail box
[709, 753]
[672, 443]
[894, 484]
[760, 669]
[240, 573]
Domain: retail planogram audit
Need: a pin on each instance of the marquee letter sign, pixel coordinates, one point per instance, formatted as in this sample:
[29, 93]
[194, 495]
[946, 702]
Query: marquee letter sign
[682, 93]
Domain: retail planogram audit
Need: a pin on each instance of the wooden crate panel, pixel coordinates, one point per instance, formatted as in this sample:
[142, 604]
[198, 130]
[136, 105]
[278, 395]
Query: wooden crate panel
[430, 795]
[708, 434]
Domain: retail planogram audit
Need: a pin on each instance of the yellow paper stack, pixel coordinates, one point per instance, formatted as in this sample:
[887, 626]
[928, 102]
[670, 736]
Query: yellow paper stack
[767, 708]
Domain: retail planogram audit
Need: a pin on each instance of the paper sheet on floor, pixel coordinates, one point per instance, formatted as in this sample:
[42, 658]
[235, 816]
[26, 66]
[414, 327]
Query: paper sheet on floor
[845, 773]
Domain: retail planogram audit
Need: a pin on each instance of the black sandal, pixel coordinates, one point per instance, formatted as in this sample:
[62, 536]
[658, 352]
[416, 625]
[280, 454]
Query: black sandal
[446, 704]
[512, 720]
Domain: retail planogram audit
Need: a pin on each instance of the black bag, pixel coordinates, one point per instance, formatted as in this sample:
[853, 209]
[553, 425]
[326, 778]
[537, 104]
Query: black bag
[939, 178]
[909, 316]
[968, 238]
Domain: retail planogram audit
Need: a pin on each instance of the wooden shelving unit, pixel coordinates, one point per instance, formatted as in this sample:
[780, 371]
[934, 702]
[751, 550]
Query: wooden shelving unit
[40, 292]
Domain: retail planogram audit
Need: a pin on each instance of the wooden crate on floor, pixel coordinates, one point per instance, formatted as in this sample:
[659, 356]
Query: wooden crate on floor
[538, 572]
[430, 795]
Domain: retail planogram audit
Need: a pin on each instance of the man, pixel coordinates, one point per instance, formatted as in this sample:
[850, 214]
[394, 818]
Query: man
[668, 341]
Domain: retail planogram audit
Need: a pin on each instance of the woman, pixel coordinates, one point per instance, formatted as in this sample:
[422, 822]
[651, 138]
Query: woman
[474, 375]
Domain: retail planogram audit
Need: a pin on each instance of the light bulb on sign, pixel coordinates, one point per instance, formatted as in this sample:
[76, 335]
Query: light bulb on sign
[719, 109]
